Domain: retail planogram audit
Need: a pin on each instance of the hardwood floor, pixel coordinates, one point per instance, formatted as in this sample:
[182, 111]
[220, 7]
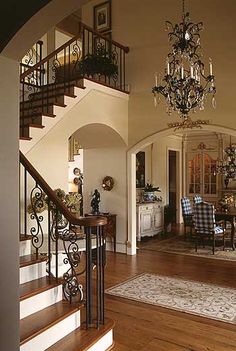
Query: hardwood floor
[142, 327]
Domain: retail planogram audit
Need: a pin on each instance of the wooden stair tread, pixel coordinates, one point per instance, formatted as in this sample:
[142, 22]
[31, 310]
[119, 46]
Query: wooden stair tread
[37, 286]
[40, 106]
[38, 322]
[81, 339]
[25, 138]
[38, 114]
[31, 259]
[34, 125]
[24, 237]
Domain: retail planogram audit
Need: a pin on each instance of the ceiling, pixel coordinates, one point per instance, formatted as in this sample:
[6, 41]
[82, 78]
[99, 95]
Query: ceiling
[14, 14]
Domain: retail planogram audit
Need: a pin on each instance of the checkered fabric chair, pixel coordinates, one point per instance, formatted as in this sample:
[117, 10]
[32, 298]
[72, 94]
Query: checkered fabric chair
[197, 199]
[187, 214]
[205, 225]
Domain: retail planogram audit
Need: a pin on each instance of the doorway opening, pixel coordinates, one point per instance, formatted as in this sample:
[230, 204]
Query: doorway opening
[172, 186]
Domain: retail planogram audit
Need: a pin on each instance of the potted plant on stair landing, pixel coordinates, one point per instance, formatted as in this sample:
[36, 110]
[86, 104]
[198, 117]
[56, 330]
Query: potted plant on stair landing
[100, 63]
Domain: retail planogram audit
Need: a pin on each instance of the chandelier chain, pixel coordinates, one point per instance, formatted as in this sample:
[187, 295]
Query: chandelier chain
[183, 7]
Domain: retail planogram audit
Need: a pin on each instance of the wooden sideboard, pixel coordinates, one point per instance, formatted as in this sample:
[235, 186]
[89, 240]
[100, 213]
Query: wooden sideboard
[109, 228]
[150, 219]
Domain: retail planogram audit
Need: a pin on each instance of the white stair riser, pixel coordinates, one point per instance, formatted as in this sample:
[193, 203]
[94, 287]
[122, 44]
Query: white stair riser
[25, 247]
[104, 343]
[32, 272]
[50, 336]
[42, 300]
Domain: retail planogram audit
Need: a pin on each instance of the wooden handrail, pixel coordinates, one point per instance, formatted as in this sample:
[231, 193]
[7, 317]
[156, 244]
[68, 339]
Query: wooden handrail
[62, 47]
[90, 221]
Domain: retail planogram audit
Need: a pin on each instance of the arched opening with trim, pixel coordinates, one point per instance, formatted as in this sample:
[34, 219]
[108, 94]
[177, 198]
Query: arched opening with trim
[131, 170]
[100, 148]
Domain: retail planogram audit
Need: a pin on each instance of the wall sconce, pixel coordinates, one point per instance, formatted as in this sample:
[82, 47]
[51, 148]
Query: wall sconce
[108, 183]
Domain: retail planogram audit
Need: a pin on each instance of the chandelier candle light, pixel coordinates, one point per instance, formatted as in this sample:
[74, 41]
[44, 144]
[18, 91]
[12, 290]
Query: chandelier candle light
[185, 84]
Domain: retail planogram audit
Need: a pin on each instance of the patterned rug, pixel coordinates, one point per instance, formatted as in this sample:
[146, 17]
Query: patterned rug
[177, 244]
[202, 299]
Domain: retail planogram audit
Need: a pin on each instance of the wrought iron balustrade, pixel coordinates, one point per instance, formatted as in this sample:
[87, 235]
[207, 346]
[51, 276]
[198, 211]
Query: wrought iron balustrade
[88, 55]
[73, 245]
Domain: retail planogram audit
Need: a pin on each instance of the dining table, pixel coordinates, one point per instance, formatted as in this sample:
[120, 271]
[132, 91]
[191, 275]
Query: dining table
[230, 217]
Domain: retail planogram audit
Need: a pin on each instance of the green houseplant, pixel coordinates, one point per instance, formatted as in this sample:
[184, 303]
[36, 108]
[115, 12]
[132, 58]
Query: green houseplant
[100, 62]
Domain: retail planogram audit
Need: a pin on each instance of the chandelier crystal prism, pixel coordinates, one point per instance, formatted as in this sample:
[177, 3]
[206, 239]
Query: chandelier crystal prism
[185, 84]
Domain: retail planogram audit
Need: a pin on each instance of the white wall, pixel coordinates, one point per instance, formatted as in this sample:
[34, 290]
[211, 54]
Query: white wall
[99, 163]
[141, 26]
[160, 162]
[50, 155]
[9, 248]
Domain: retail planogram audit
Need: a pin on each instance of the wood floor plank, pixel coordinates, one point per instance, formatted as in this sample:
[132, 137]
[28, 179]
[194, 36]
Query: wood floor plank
[140, 326]
[162, 345]
[81, 339]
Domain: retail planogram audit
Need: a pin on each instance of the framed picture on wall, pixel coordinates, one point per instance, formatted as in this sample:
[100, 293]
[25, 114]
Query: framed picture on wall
[102, 17]
[140, 169]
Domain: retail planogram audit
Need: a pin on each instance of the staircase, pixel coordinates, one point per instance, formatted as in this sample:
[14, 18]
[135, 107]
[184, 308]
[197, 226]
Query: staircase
[60, 309]
[62, 257]
[48, 322]
[51, 87]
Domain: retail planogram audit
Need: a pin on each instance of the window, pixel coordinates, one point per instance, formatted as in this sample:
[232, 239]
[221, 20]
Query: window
[201, 178]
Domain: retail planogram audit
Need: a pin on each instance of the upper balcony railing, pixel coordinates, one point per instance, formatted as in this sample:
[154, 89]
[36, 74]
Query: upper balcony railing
[88, 55]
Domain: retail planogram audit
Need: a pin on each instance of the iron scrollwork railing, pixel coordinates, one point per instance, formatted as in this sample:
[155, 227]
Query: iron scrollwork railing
[74, 246]
[88, 55]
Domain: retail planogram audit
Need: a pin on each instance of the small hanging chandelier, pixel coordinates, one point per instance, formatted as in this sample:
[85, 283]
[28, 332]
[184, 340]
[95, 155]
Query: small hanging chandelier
[185, 83]
[227, 166]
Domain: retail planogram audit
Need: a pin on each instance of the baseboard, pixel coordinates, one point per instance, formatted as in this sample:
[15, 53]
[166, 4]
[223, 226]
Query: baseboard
[120, 247]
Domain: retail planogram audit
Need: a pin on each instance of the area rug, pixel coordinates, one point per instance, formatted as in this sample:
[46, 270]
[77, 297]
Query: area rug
[197, 298]
[178, 245]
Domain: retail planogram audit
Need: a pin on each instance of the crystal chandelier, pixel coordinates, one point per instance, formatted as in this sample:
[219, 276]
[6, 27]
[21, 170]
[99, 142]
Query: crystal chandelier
[227, 166]
[185, 83]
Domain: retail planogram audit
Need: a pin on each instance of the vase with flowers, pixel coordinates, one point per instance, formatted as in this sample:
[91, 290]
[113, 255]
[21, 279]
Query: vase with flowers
[149, 193]
[226, 202]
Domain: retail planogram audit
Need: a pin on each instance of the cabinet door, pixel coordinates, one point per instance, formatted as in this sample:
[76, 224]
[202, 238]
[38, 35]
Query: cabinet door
[145, 222]
[157, 219]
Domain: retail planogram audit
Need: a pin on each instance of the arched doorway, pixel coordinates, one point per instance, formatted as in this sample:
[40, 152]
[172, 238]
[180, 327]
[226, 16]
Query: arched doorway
[104, 154]
[131, 170]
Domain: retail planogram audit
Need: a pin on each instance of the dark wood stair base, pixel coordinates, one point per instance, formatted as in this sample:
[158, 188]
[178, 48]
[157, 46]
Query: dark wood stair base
[31, 259]
[37, 286]
[55, 92]
[82, 339]
[38, 322]
[24, 237]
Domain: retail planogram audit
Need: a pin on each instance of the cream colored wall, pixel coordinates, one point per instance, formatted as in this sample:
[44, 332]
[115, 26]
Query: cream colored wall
[141, 26]
[61, 38]
[50, 155]
[9, 163]
[156, 162]
[99, 163]
[160, 163]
